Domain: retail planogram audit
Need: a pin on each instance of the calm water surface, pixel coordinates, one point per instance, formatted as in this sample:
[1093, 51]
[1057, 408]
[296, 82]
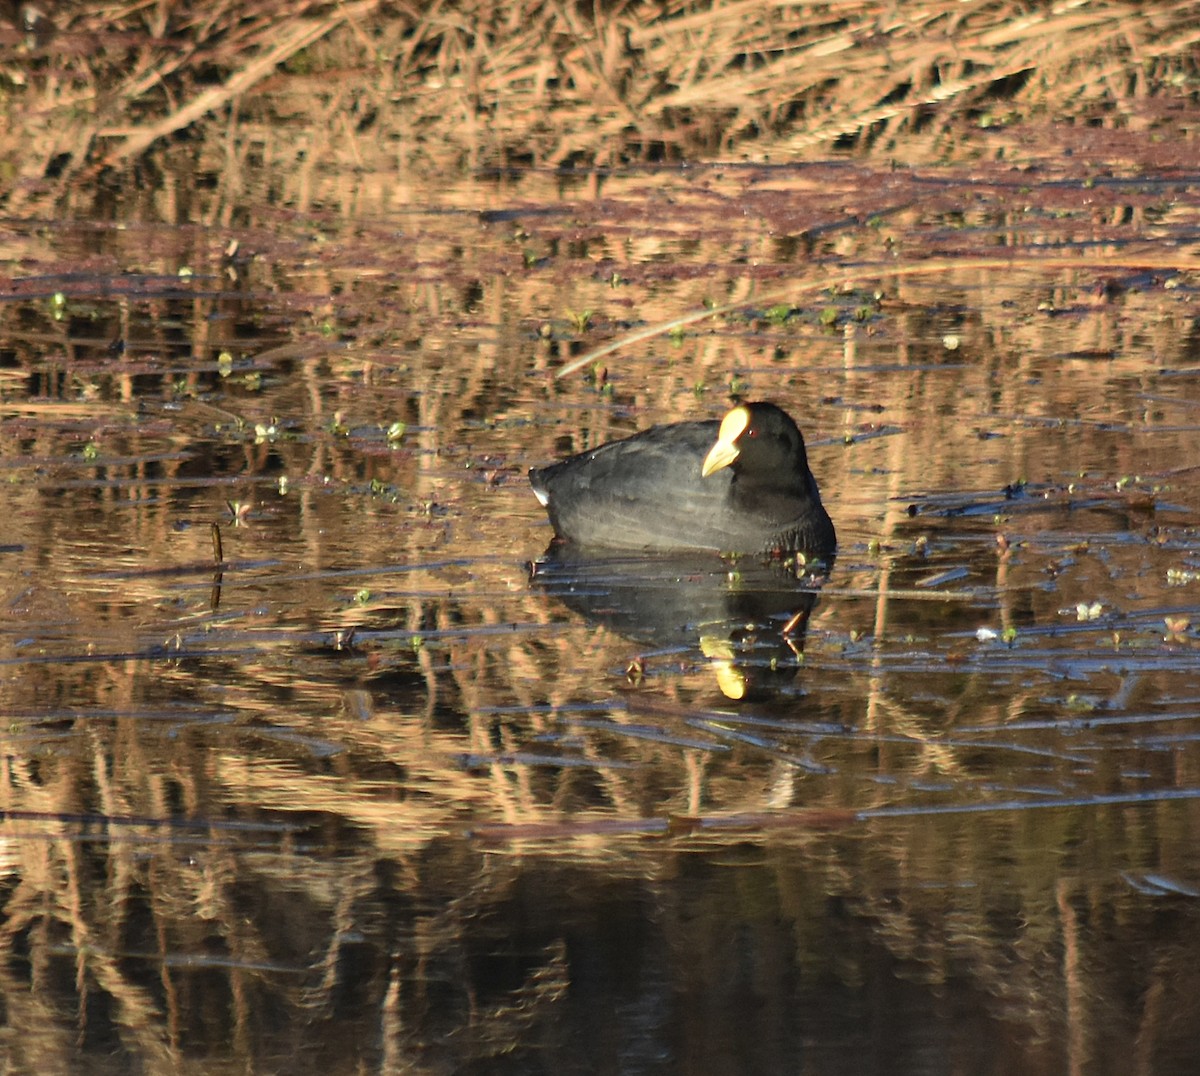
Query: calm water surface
[378, 796]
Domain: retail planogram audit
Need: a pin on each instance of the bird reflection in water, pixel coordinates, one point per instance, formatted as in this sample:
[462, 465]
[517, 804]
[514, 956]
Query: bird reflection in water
[746, 617]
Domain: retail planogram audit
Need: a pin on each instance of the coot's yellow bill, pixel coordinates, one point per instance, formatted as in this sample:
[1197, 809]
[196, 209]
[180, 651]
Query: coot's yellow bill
[725, 451]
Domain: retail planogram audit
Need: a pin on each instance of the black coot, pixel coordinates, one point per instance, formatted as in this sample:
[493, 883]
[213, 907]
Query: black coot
[741, 485]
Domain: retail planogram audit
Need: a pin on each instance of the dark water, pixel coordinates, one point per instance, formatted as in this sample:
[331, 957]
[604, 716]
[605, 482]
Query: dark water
[375, 796]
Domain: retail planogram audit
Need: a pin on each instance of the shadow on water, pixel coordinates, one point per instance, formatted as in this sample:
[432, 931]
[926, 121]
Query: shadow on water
[397, 803]
[745, 617]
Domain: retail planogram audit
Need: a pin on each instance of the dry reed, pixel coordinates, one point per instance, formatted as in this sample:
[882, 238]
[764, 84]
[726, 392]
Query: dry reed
[552, 83]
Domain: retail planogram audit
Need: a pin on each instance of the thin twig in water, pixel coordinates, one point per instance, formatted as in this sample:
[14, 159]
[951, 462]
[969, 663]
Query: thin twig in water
[1127, 260]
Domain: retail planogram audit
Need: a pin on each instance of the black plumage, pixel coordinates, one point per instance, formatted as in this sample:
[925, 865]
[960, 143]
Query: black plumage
[741, 485]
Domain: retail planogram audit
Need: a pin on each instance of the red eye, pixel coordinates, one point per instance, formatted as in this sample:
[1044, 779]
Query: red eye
[752, 432]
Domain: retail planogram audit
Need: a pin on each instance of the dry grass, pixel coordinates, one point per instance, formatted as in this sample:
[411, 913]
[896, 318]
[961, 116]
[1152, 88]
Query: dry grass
[551, 82]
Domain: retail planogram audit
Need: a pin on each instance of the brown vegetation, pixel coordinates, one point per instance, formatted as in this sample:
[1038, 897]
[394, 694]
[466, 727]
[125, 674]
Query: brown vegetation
[227, 833]
[552, 82]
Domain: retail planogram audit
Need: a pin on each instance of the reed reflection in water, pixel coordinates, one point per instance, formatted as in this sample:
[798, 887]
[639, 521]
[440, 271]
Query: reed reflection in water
[387, 801]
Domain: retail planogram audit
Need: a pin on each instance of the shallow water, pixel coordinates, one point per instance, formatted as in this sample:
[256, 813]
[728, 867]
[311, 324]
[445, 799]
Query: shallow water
[374, 795]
